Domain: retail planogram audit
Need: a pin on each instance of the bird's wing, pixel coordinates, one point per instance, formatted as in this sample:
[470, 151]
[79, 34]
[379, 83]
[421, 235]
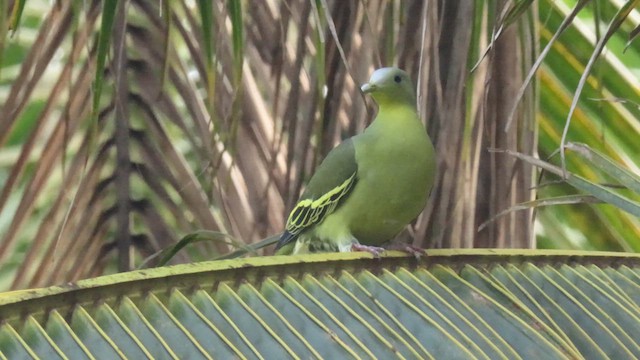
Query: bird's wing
[329, 186]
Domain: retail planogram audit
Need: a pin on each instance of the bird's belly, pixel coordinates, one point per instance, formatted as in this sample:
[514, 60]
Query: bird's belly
[399, 191]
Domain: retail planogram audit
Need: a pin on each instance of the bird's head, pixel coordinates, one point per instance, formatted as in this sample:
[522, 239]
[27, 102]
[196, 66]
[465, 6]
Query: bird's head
[390, 85]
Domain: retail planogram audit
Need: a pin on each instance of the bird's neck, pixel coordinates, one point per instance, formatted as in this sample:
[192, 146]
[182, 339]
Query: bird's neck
[395, 124]
[397, 114]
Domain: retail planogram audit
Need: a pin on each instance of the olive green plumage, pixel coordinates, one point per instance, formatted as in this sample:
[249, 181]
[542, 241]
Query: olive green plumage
[372, 185]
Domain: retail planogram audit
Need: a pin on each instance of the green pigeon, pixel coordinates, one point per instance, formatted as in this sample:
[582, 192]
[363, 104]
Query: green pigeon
[370, 186]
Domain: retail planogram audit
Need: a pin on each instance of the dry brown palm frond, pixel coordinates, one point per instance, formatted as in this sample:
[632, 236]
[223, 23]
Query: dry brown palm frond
[185, 142]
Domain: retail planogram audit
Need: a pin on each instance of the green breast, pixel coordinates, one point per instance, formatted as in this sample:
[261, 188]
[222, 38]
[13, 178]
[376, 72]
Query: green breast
[396, 168]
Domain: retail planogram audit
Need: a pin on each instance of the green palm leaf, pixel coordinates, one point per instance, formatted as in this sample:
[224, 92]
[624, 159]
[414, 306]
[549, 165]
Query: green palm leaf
[230, 107]
[451, 304]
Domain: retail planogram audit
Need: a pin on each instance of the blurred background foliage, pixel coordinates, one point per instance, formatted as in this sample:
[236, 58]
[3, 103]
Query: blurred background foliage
[125, 125]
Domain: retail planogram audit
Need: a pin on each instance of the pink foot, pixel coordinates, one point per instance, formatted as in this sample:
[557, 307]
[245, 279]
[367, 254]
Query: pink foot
[376, 251]
[417, 252]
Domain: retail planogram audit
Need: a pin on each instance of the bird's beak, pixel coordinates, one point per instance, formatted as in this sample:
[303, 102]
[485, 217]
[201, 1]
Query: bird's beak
[367, 88]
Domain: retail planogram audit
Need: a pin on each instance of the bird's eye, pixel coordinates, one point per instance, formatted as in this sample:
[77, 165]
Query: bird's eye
[397, 79]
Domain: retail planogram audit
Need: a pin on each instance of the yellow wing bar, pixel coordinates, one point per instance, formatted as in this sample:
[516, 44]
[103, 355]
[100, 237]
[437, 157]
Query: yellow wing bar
[309, 212]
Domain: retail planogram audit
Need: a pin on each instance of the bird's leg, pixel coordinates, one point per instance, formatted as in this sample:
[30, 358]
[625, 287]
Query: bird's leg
[376, 251]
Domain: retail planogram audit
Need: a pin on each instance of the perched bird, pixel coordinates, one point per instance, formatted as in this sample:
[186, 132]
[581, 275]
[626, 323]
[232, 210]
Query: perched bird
[370, 186]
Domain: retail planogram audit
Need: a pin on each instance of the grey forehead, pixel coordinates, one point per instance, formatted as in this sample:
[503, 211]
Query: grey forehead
[380, 74]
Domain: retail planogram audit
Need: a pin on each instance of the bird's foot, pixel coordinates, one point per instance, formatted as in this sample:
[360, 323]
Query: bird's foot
[374, 250]
[417, 252]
